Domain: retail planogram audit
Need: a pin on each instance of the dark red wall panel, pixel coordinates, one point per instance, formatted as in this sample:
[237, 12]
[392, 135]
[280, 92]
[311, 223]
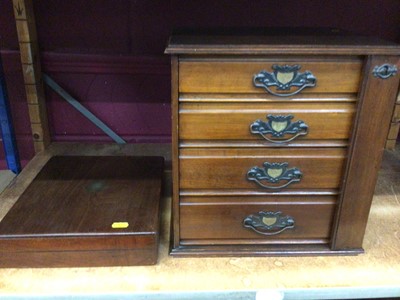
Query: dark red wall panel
[130, 94]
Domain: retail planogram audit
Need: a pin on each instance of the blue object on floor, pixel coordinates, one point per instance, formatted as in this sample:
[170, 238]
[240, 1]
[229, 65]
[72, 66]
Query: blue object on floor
[7, 129]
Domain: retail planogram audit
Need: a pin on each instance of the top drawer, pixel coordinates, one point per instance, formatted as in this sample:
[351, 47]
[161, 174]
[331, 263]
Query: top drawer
[282, 77]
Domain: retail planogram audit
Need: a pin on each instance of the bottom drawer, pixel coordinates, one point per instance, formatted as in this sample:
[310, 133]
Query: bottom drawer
[241, 220]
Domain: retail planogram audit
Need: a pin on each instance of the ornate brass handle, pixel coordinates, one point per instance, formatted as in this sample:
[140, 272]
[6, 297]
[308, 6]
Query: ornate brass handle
[278, 126]
[268, 222]
[273, 173]
[284, 77]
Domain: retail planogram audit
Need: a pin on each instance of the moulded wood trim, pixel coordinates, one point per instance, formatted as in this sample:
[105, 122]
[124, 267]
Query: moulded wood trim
[92, 63]
[244, 192]
[253, 97]
[262, 144]
[105, 64]
[259, 250]
[102, 258]
[284, 49]
[275, 241]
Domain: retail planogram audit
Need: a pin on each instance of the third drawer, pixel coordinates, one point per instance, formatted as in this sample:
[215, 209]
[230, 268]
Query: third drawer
[257, 218]
[304, 168]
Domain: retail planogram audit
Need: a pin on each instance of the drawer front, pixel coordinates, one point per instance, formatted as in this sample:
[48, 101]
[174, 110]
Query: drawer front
[235, 219]
[237, 75]
[261, 168]
[275, 122]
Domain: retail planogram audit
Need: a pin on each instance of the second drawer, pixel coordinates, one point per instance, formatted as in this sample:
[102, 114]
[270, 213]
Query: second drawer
[260, 121]
[261, 168]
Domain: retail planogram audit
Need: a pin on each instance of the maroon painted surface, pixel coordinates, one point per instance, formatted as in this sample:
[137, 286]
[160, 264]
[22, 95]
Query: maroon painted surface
[130, 94]
[109, 54]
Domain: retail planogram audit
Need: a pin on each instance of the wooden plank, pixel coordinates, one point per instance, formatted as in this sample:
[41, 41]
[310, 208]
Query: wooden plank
[23, 31]
[393, 131]
[175, 151]
[365, 154]
[396, 113]
[391, 144]
[29, 50]
[394, 126]
[34, 114]
[37, 132]
[34, 93]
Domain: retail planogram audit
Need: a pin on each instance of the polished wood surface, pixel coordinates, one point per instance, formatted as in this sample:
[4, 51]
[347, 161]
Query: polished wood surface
[312, 216]
[217, 102]
[227, 169]
[73, 205]
[236, 75]
[365, 154]
[232, 121]
[175, 150]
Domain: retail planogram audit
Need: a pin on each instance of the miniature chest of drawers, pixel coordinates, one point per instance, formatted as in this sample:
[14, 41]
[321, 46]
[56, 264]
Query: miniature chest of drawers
[277, 141]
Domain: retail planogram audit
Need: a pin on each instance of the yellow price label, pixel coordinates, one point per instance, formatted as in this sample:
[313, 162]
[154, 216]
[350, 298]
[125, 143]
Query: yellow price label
[118, 225]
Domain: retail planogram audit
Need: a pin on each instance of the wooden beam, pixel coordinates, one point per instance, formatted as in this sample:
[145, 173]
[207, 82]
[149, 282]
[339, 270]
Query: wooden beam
[29, 50]
[394, 126]
[376, 100]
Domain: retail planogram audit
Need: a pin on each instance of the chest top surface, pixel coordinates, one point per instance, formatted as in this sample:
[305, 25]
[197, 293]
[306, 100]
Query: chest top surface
[277, 41]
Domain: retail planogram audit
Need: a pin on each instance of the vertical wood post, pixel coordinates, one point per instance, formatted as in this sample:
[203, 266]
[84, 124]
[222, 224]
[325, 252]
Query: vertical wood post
[175, 151]
[28, 43]
[376, 100]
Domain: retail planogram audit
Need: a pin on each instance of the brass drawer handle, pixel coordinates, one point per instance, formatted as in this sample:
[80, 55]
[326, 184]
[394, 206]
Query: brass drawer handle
[278, 126]
[284, 77]
[273, 173]
[268, 222]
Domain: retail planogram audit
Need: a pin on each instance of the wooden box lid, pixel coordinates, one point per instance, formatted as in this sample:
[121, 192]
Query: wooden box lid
[86, 211]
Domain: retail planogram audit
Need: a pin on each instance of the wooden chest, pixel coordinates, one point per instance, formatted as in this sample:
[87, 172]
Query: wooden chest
[277, 140]
[86, 211]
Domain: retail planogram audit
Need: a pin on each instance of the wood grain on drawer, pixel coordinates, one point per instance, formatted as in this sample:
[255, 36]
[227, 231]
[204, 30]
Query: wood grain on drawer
[236, 76]
[216, 218]
[232, 121]
[228, 168]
